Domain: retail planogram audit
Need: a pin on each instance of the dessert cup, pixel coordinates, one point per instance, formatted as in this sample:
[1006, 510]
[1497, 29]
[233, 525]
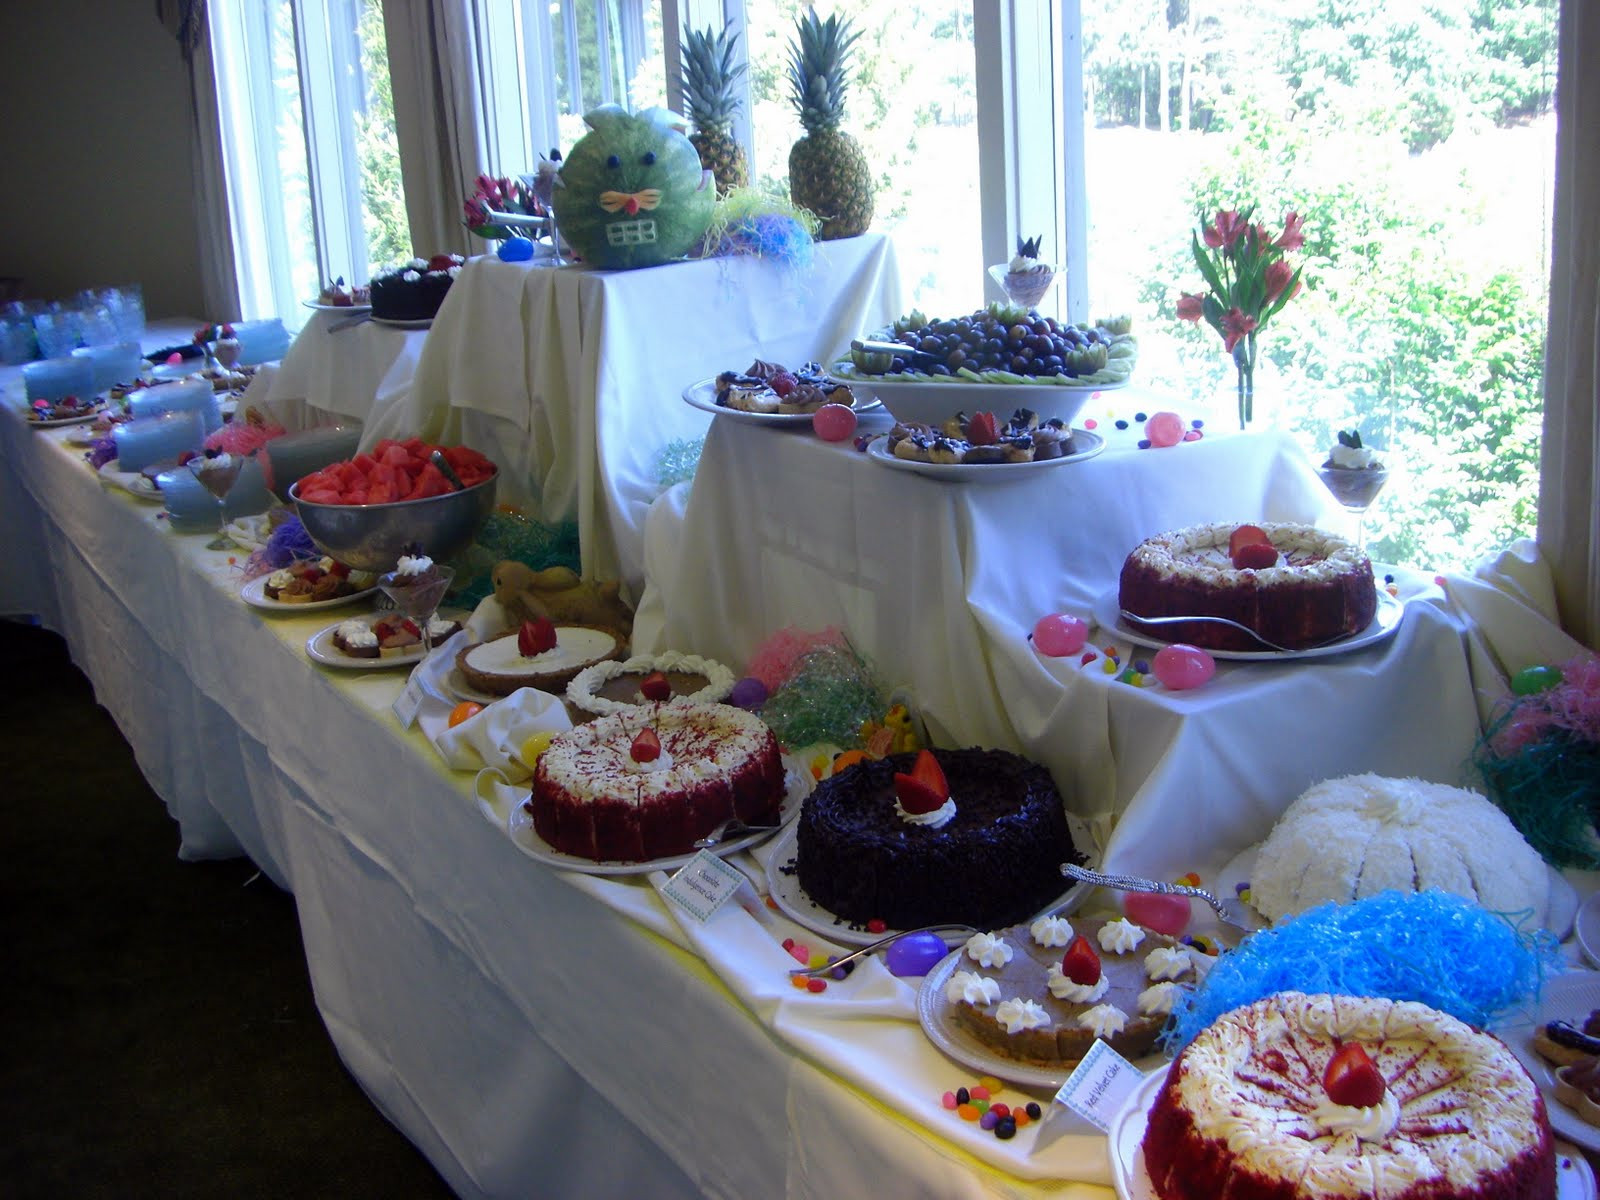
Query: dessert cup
[418, 596]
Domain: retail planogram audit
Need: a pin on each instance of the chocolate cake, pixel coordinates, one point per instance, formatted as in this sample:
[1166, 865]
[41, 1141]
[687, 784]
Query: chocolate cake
[997, 861]
[415, 290]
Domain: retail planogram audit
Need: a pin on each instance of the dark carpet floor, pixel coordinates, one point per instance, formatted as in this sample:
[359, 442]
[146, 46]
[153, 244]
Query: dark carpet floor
[159, 1033]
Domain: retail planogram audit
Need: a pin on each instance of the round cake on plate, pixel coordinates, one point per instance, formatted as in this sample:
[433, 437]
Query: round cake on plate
[499, 666]
[995, 862]
[649, 783]
[1319, 589]
[1299, 1097]
[614, 686]
[414, 290]
[1042, 993]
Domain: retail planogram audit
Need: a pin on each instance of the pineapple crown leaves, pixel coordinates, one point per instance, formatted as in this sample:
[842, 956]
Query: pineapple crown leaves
[1350, 439]
[818, 59]
[1029, 247]
[709, 73]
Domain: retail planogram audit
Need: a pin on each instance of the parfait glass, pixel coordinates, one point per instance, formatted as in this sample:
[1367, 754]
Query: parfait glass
[1356, 489]
[218, 471]
[418, 596]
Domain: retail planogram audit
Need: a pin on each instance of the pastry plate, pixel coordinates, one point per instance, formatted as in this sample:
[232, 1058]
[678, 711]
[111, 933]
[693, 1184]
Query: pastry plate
[320, 648]
[456, 684]
[422, 323]
[1108, 615]
[957, 1043]
[1563, 897]
[1567, 997]
[1574, 1177]
[1085, 445]
[254, 594]
[55, 422]
[135, 483]
[1587, 928]
[350, 309]
[800, 908]
[703, 395]
[518, 825]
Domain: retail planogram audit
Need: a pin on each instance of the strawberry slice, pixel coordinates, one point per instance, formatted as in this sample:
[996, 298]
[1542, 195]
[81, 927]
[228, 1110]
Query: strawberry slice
[1352, 1078]
[340, 570]
[1255, 556]
[655, 686]
[1244, 535]
[983, 429]
[440, 262]
[411, 627]
[535, 637]
[915, 796]
[646, 746]
[1080, 963]
[927, 771]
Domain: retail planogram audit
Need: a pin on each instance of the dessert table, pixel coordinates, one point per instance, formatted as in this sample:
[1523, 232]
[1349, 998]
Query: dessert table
[569, 377]
[338, 366]
[938, 584]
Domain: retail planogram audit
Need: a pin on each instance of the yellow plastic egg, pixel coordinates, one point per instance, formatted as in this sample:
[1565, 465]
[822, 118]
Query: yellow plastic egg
[534, 745]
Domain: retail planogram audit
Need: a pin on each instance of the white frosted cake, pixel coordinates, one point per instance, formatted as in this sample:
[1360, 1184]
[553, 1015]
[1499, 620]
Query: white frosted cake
[1344, 839]
[500, 667]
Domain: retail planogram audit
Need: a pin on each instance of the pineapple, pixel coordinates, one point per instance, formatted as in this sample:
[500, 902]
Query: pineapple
[828, 174]
[709, 76]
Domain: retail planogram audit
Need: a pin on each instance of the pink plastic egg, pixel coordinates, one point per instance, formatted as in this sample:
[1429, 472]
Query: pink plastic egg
[834, 422]
[1181, 667]
[1059, 635]
[1164, 429]
[1164, 914]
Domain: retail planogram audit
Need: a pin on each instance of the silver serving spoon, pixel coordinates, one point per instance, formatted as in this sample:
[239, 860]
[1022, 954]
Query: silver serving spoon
[731, 828]
[1230, 911]
[445, 469]
[862, 951]
[1136, 619]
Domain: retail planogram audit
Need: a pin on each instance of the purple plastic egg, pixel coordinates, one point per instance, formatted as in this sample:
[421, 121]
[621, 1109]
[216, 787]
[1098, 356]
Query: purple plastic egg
[1181, 667]
[914, 954]
[749, 693]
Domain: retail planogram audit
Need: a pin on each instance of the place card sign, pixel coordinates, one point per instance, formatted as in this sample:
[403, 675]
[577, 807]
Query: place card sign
[410, 699]
[703, 885]
[1100, 1086]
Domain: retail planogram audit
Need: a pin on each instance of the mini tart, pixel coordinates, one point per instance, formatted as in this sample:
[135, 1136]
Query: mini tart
[613, 686]
[500, 668]
[1574, 1096]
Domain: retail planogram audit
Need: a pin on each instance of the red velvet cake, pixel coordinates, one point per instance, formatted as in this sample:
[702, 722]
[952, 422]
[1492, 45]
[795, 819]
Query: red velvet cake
[1299, 1097]
[649, 782]
[1318, 588]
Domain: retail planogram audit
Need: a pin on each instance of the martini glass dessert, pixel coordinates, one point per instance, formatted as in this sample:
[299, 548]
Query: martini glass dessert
[416, 586]
[1354, 475]
[218, 471]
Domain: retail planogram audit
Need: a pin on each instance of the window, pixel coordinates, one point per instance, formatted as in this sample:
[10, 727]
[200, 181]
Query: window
[309, 148]
[584, 53]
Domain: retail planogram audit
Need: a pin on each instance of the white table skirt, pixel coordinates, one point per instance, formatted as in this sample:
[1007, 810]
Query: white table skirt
[570, 378]
[335, 372]
[939, 584]
[533, 1032]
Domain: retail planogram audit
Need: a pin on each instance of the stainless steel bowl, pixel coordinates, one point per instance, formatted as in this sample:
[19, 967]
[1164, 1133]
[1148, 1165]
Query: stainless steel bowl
[371, 537]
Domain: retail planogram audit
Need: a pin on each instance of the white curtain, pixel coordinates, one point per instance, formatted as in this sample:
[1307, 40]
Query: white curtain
[1569, 498]
[219, 280]
[439, 116]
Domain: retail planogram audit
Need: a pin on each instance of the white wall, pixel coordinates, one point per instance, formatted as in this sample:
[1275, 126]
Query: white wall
[95, 141]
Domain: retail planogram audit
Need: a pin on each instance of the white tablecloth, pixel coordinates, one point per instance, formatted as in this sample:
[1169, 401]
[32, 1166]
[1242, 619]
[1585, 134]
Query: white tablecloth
[533, 1032]
[571, 378]
[939, 584]
[336, 371]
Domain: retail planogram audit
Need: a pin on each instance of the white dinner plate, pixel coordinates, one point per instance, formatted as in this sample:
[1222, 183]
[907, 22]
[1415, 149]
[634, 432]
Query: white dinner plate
[456, 684]
[1108, 615]
[1574, 1177]
[423, 323]
[351, 309]
[784, 884]
[320, 648]
[1563, 897]
[516, 823]
[703, 395]
[254, 594]
[1570, 997]
[1085, 445]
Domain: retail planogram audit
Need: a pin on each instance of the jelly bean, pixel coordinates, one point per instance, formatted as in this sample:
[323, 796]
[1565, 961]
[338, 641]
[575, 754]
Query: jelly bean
[1110, 651]
[1141, 417]
[1189, 878]
[992, 1083]
[771, 903]
[1193, 435]
[800, 953]
[1164, 429]
[949, 1100]
[1005, 1130]
[914, 954]
[1182, 667]
[1091, 423]
[816, 985]
[981, 1093]
[1019, 1119]
[1530, 681]
[798, 982]
[963, 1096]
[1198, 423]
[834, 422]
[1033, 1110]
[966, 1112]
[817, 959]
[1059, 634]
[988, 1120]
[877, 925]
[1144, 443]
[1122, 424]
[1000, 1110]
[788, 943]
[1110, 666]
[1088, 657]
[1142, 666]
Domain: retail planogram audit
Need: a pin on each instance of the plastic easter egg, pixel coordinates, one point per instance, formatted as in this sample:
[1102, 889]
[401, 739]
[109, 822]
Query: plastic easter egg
[1164, 429]
[914, 954]
[1530, 681]
[1058, 634]
[834, 422]
[748, 693]
[515, 249]
[464, 711]
[534, 745]
[1164, 914]
[1181, 667]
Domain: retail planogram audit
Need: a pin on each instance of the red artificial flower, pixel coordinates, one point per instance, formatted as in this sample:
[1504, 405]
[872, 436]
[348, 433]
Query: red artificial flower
[1234, 326]
[1226, 231]
[1190, 307]
[1293, 236]
[1277, 277]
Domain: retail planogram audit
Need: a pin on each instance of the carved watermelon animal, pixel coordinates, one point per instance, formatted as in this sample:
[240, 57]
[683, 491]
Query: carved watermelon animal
[632, 192]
